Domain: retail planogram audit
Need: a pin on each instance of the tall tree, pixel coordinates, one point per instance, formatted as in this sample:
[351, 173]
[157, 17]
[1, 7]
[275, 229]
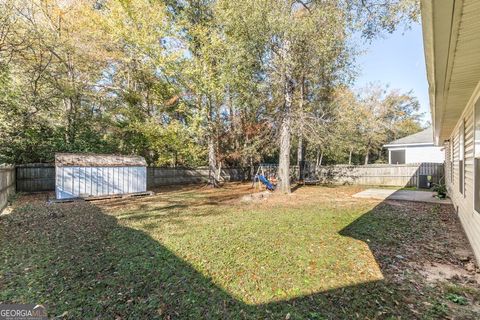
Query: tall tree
[368, 120]
[183, 82]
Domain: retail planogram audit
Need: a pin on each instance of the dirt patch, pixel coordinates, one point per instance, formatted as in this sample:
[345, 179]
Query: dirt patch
[255, 197]
[434, 272]
[464, 254]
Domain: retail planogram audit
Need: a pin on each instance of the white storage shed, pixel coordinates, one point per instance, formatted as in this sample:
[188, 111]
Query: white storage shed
[96, 175]
[415, 148]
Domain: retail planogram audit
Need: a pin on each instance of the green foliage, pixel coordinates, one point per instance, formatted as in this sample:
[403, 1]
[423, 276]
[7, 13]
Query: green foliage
[171, 145]
[438, 310]
[455, 298]
[368, 119]
[440, 189]
[171, 80]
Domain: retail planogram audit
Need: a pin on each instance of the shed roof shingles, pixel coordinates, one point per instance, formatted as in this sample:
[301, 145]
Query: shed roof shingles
[97, 160]
[422, 137]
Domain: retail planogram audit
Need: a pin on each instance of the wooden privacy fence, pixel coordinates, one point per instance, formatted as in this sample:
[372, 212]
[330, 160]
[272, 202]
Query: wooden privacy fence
[7, 185]
[35, 177]
[157, 177]
[41, 177]
[403, 175]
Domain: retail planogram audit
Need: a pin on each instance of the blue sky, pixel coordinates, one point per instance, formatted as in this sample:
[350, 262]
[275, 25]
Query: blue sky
[397, 60]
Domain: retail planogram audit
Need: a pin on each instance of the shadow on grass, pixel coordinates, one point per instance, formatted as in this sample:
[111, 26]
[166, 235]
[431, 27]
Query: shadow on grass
[81, 263]
[296, 187]
[160, 211]
[183, 196]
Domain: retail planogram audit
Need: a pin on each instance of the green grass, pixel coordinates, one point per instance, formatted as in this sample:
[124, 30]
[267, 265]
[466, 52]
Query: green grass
[203, 254]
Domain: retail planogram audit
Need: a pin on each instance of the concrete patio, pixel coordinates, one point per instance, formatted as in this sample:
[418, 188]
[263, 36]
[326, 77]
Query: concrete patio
[406, 195]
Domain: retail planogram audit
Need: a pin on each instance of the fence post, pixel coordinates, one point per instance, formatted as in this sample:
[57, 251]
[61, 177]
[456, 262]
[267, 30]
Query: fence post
[7, 185]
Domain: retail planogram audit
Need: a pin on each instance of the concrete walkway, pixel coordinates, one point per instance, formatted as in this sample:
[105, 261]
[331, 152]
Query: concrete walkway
[406, 195]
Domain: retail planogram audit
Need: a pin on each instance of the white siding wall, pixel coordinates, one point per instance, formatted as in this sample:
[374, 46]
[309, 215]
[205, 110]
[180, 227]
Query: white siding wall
[420, 154]
[424, 154]
[75, 182]
[448, 165]
[464, 202]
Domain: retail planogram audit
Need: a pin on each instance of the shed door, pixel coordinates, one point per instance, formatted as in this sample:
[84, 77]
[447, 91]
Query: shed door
[397, 157]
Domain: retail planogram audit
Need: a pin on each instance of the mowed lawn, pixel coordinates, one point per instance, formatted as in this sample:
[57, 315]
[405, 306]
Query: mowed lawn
[199, 253]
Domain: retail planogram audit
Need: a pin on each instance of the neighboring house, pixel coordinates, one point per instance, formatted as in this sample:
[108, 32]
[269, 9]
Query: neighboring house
[451, 35]
[415, 148]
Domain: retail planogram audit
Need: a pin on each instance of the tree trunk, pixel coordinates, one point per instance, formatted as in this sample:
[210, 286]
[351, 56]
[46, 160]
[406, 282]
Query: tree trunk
[72, 115]
[285, 126]
[211, 146]
[252, 168]
[301, 142]
[318, 163]
[317, 160]
[350, 156]
[212, 162]
[300, 157]
[284, 161]
[219, 172]
[72, 102]
[233, 120]
[366, 156]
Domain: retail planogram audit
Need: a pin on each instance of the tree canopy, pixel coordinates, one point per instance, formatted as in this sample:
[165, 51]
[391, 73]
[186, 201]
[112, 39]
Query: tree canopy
[197, 82]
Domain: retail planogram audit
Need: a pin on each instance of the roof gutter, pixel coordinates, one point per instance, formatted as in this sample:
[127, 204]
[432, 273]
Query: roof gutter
[440, 21]
[420, 144]
[427, 31]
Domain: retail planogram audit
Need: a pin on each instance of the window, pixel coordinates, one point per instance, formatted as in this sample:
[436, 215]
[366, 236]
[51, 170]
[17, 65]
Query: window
[397, 157]
[476, 197]
[461, 158]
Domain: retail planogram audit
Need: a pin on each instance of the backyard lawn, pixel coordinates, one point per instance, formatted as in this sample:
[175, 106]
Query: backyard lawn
[199, 253]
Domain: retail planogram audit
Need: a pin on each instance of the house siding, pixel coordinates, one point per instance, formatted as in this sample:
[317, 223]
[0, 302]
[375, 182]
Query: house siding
[464, 202]
[420, 154]
[424, 154]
